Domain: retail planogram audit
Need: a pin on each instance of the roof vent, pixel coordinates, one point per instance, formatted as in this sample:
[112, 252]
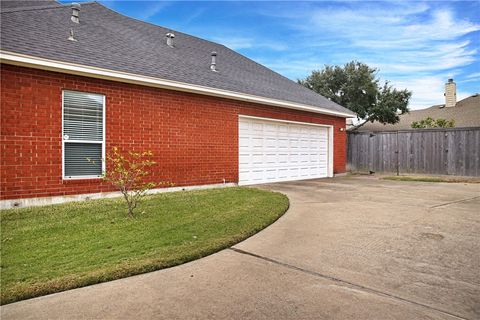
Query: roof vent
[170, 36]
[75, 12]
[213, 65]
[71, 37]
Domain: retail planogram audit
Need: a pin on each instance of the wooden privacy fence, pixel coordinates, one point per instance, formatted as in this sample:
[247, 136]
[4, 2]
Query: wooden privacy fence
[449, 151]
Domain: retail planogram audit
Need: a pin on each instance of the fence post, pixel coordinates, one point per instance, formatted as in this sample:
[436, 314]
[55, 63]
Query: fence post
[398, 161]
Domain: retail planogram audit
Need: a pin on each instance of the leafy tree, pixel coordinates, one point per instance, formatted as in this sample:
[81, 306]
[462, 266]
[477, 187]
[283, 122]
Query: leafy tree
[432, 123]
[127, 173]
[356, 87]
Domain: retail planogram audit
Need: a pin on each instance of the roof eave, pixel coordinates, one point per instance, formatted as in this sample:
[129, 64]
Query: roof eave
[94, 72]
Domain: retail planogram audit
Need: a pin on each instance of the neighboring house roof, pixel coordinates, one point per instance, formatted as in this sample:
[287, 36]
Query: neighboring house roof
[466, 113]
[109, 40]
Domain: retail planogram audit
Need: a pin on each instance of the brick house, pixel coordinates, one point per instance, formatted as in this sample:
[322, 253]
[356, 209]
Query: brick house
[76, 81]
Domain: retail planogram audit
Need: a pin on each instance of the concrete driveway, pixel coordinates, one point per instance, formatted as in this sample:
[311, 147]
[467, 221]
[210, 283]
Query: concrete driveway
[348, 248]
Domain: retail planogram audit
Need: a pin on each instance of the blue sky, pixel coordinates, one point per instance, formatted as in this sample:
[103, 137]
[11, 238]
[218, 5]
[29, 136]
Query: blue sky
[416, 45]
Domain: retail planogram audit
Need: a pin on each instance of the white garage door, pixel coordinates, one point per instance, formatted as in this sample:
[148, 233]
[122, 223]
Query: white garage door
[272, 151]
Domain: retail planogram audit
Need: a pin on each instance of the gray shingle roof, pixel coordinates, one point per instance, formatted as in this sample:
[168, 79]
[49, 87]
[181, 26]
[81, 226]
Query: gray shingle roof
[9, 5]
[109, 40]
[466, 113]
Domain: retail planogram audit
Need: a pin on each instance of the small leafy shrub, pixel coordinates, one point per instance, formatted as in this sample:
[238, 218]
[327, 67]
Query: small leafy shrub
[128, 174]
[432, 123]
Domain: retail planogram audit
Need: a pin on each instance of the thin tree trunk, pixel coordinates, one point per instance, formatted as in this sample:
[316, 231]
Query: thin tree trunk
[129, 204]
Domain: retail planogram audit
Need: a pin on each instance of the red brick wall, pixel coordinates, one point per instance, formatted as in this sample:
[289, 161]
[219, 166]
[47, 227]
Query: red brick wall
[194, 137]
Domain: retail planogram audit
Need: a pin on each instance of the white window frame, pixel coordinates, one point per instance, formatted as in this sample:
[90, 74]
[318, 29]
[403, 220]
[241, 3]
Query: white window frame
[84, 141]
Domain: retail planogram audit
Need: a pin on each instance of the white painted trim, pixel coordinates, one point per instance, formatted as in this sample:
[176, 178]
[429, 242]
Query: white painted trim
[77, 69]
[83, 141]
[82, 178]
[285, 121]
[103, 142]
[330, 137]
[331, 149]
[63, 142]
[277, 182]
[33, 202]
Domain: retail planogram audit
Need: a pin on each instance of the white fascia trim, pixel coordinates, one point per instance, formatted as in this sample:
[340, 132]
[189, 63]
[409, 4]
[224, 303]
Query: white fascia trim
[284, 121]
[45, 201]
[331, 146]
[93, 72]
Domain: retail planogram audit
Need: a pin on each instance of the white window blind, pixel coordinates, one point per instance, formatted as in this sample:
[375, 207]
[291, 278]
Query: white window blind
[83, 134]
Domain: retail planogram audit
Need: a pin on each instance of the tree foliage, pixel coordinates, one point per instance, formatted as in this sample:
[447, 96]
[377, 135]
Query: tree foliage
[432, 123]
[128, 172]
[357, 87]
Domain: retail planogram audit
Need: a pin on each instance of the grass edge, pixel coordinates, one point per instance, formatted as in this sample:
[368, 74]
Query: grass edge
[140, 267]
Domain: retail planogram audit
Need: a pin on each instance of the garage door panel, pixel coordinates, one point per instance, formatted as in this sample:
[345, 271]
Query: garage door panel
[282, 142]
[271, 158]
[271, 143]
[256, 126]
[304, 143]
[271, 174]
[243, 126]
[282, 173]
[270, 128]
[243, 141]
[293, 172]
[257, 142]
[271, 151]
[305, 172]
[244, 159]
[282, 158]
[294, 157]
[257, 158]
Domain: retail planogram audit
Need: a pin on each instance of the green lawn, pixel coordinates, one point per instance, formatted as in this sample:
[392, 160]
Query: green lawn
[54, 248]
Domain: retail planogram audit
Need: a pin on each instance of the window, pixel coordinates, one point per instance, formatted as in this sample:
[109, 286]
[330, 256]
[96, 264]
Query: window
[83, 134]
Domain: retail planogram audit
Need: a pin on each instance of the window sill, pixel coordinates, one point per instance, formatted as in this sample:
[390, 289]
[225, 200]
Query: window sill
[81, 179]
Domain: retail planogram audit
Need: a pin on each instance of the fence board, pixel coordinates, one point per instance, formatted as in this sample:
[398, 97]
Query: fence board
[452, 151]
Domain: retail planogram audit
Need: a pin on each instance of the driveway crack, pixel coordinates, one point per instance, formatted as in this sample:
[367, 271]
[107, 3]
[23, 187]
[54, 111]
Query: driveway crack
[347, 283]
[452, 202]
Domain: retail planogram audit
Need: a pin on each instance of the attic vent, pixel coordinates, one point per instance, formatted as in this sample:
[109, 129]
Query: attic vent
[71, 37]
[213, 65]
[170, 36]
[75, 12]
